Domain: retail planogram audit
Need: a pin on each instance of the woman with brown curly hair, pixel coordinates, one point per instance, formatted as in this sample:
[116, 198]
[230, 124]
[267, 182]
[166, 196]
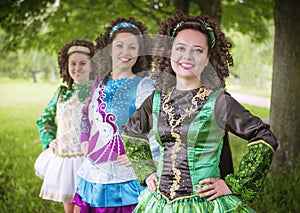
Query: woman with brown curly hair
[59, 125]
[108, 182]
[190, 113]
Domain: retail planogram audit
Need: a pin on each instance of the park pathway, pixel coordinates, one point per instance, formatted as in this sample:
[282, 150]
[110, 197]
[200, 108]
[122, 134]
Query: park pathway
[251, 99]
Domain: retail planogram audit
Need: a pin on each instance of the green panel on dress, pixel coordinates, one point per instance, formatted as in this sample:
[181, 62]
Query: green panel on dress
[205, 141]
[155, 115]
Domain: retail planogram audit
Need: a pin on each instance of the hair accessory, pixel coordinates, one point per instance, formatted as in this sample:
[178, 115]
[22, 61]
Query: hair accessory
[123, 25]
[79, 49]
[175, 28]
[208, 28]
[210, 32]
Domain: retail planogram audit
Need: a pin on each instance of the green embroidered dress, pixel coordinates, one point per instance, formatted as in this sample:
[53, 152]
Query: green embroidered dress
[190, 126]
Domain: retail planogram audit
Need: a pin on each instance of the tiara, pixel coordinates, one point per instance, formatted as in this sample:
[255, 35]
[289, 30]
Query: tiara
[123, 25]
[79, 49]
[208, 28]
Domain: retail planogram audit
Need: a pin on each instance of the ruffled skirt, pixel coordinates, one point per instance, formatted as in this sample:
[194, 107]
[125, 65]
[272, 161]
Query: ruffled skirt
[86, 208]
[107, 195]
[149, 202]
[42, 162]
[59, 175]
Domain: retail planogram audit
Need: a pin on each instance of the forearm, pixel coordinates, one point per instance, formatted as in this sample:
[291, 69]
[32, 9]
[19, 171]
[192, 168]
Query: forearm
[253, 170]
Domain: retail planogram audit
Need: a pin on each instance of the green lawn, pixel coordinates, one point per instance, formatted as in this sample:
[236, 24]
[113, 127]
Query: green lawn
[21, 103]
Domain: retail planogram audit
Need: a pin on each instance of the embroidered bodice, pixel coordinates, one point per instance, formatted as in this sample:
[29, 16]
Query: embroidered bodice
[110, 106]
[69, 116]
[68, 131]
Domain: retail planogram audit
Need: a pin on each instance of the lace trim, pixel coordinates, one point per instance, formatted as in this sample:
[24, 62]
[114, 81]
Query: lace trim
[70, 155]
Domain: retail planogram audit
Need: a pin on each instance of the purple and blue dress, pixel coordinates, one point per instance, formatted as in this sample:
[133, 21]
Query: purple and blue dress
[104, 185]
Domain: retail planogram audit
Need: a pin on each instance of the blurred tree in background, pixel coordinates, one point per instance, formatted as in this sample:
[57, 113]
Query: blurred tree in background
[48, 24]
[45, 25]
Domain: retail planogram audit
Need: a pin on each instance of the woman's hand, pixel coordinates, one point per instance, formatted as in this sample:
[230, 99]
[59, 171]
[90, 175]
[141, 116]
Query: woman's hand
[123, 160]
[213, 188]
[84, 147]
[53, 145]
[151, 182]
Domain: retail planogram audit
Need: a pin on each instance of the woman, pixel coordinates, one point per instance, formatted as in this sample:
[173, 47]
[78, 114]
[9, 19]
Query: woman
[108, 182]
[59, 125]
[190, 113]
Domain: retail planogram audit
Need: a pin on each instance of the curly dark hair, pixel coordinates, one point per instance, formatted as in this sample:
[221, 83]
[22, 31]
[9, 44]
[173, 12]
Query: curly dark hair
[103, 58]
[63, 58]
[214, 74]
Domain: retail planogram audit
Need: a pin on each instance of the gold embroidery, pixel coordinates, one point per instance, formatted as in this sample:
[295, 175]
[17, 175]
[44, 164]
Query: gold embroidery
[56, 197]
[202, 94]
[70, 155]
[176, 171]
[263, 142]
[162, 196]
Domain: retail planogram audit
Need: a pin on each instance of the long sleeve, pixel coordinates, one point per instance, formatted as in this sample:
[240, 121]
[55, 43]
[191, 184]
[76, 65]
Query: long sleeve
[46, 123]
[254, 166]
[134, 136]
[144, 89]
[85, 124]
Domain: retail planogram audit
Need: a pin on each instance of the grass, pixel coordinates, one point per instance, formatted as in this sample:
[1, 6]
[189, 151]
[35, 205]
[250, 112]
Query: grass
[20, 106]
[21, 103]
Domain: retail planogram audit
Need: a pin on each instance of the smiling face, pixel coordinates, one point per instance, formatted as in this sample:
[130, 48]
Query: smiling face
[125, 49]
[79, 66]
[189, 55]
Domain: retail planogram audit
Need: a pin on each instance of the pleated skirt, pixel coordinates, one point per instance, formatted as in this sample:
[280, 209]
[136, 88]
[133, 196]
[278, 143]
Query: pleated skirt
[59, 175]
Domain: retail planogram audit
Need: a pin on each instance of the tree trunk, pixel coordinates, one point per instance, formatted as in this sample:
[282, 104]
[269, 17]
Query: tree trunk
[211, 8]
[33, 75]
[285, 100]
[182, 5]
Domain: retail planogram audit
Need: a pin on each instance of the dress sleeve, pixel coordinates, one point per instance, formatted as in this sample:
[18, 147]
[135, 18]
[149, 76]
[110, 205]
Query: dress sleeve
[144, 89]
[134, 136]
[46, 123]
[262, 143]
[85, 125]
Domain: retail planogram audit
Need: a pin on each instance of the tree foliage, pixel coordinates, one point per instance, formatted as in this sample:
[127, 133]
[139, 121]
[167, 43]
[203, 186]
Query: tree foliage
[48, 24]
[25, 64]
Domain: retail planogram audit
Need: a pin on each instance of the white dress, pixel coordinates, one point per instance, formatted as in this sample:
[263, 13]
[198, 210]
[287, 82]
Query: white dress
[58, 170]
